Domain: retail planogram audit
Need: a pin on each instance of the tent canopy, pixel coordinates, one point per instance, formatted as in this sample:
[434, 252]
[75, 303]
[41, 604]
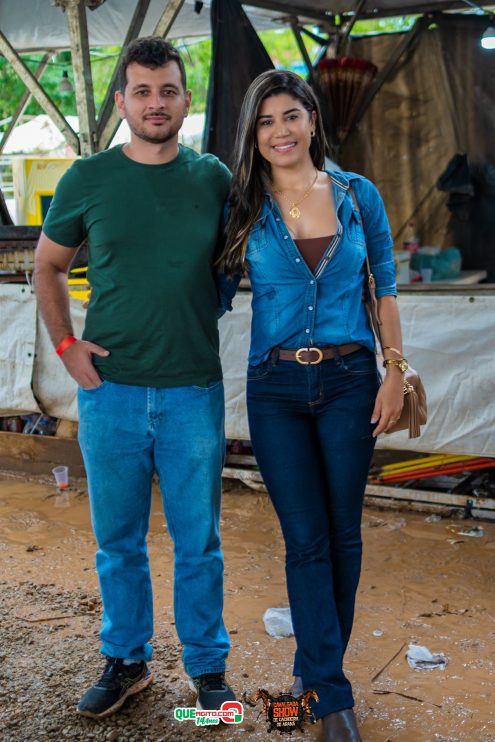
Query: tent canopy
[38, 24]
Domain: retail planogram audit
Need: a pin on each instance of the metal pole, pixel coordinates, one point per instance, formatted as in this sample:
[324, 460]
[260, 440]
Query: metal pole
[350, 25]
[37, 92]
[303, 50]
[23, 103]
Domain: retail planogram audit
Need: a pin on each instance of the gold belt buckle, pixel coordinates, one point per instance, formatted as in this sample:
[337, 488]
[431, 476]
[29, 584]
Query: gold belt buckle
[309, 350]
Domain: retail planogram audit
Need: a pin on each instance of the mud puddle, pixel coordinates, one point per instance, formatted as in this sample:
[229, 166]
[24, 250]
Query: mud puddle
[421, 583]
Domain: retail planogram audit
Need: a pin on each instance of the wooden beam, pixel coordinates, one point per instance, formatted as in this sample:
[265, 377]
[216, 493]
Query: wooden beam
[108, 119]
[167, 18]
[81, 64]
[424, 507]
[435, 7]
[24, 102]
[37, 91]
[429, 496]
[322, 17]
[253, 479]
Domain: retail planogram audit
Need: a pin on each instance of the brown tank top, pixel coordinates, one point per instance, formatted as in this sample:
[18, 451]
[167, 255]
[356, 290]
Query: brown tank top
[313, 249]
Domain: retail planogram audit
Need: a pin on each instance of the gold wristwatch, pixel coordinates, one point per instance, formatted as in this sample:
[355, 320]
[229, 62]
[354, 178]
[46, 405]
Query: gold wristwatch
[401, 363]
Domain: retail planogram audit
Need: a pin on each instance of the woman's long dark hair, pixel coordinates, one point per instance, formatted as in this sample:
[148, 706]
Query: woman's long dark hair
[251, 172]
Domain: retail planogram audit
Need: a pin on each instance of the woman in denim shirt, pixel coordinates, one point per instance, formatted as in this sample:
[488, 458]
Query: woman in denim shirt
[315, 404]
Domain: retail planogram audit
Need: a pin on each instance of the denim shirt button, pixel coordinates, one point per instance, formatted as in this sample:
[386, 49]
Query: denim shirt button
[286, 236]
[298, 260]
[310, 309]
[311, 283]
[307, 329]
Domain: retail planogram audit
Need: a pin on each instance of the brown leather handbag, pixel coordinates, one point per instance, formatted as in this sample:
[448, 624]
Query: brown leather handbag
[414, 410]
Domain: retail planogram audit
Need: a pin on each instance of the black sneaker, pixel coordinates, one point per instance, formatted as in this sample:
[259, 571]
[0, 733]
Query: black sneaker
[212, 690]
[117, 683]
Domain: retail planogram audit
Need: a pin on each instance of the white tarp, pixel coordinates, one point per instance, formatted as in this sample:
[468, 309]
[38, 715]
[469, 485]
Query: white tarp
[38, 24]
[53, 386]
[17, 348]
[450, 338]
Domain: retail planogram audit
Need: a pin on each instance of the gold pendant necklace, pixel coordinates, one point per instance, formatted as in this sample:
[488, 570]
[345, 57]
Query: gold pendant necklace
[294, 210]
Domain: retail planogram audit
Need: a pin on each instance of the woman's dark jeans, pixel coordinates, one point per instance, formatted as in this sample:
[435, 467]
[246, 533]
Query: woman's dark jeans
[312, 437]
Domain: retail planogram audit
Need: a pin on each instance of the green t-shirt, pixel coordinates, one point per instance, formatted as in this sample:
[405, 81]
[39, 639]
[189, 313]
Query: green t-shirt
[152, 232]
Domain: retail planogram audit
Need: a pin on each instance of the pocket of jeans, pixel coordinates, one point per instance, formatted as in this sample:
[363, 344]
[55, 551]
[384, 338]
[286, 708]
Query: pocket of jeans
[256, 373]
[208, 387]
[360, 362]
[93, 388]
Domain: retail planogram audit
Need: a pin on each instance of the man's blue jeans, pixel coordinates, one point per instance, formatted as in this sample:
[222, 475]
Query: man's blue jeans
[312, 437]
[126, 433]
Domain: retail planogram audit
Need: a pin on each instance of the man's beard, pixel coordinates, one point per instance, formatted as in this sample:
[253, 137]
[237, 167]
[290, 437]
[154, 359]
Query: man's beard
[139, 132]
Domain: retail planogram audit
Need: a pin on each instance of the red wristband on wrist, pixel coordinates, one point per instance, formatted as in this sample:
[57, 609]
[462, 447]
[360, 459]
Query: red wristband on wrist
[64, 344]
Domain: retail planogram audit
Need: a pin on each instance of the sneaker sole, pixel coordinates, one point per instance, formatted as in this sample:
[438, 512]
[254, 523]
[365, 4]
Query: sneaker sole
[195, 690]
[136, 688]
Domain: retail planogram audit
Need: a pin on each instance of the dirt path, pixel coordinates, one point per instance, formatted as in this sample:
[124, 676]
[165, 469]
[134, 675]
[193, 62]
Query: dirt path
[422, 583]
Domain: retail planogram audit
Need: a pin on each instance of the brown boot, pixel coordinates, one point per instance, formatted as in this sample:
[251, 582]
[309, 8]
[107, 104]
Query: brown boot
[340, 727]
[297, 687]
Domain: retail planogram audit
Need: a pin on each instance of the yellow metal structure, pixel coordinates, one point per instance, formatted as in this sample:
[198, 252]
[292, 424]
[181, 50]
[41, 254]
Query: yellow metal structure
[35, 180]
[79, 287]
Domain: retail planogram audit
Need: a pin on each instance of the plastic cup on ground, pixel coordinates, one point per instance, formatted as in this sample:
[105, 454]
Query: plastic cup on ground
[426, 274]
[61, 474]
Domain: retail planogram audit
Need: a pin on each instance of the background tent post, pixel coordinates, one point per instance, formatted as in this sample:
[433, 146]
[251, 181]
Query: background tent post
[81, 64]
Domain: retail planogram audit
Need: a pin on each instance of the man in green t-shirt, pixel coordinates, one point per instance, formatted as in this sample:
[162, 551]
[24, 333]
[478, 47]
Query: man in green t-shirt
[150, 384]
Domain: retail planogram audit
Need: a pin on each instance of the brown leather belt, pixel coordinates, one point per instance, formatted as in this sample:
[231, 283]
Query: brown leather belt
[313, 356]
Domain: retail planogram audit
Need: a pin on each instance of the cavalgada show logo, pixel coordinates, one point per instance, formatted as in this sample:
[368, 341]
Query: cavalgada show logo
[285, 712]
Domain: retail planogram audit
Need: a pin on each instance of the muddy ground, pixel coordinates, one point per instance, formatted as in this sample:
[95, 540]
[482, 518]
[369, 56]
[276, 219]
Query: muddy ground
[422, 582]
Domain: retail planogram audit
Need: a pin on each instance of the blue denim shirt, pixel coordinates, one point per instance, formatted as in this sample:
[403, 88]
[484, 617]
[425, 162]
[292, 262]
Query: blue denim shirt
[294, 307]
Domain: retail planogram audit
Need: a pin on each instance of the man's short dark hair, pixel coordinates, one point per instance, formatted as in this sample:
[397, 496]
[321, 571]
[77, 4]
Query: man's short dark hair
[151, 52]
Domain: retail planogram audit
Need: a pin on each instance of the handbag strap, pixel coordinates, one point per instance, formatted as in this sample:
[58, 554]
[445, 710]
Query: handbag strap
[370, 279]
